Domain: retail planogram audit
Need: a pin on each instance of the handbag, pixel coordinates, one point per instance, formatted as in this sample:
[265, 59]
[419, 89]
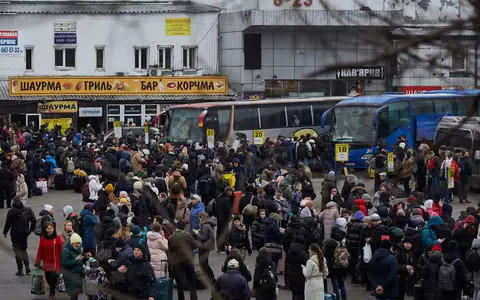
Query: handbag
[58, 171]
[250, 210]
[38, 283]
[61, 284]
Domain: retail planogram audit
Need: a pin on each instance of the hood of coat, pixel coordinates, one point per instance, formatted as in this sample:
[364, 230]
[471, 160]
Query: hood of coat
[434, 221]
[338, 234]
[212, 221]
[85, 212]
[20, 179]
[476, 243]
[153, 236]
[331, 204]
[382, 254]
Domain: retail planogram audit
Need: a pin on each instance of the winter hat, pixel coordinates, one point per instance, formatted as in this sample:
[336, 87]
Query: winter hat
[136, 230]
[401, 212]
[386, 244]
[250, 189]
[407, 239]
[237, 218]
[469, 219]
[436, 248]
[428, 204]
[411, 200]
[416, 212]
[359, 216]
[142, 248]
[452, 247]
[352, 179]
[180, 225]
[47, 207]
[115, 209]
[88, 206]
[447, 209]
[233, 264]
[185, 167]
[110, 231]
[120, 243]
[375, 217]
[67, 210]
[366, 197]
[196, 197]
[228, 189]
[269, 191]
[341, 222]
[384, 197]
[75, 238]
[109, 188]
[137, 185]
[135, 178]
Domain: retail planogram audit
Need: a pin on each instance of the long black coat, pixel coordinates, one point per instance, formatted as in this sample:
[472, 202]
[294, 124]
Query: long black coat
[296, 257]
[140, 279]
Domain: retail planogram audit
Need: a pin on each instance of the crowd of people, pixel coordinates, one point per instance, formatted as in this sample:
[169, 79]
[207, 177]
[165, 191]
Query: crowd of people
[154, 212]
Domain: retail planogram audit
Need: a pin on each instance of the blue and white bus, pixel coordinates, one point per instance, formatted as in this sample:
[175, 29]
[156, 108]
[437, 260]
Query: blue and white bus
[362, 121]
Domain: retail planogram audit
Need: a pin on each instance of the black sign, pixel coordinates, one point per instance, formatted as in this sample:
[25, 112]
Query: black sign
[133, 109]
[151, 109]
[366, 72]
[65, 38]
[113, 109]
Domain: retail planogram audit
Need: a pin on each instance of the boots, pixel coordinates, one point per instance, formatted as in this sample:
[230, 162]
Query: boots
[19, 273]
[27, 270]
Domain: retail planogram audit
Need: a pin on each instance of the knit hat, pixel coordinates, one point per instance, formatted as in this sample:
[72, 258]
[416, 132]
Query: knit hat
[375, 217]
[237, 218]
[136, 230]
[407, 239]
[120, 243]
[88, 206]
[359, 216]
[109, 188]
[196, 197]
[137, 185]
[47, 207]
[233, 264]
[411, 199]
[452, 247]
[366, 197]
[341, 222]
[436, 248]
[386, 244]
[181, 225]
[110, 231]
[67, 210]
[142, 248]
[75, 238]
[469, 219]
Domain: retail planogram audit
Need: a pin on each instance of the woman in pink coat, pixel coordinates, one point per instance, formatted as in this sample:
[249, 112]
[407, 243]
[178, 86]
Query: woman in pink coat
[158, 246]
[329, 216]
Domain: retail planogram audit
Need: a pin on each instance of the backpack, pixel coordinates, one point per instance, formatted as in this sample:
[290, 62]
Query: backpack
[86, 191]
[431, 164]
[70, 165]
[90, 285]
[267, 279]
[176, 186]
[204, 185]
[221, 185]
[472, 260]
[302, 150]
[341, 257]
[22, 167]
[39, 225]
[211, 207]
[447, 275]
[103, 255]
[22, 222]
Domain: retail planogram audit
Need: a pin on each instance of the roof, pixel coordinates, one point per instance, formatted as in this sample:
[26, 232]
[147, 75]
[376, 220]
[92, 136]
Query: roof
[261, 102]
[431, 29]
[89, 7]
[466, 92]
[4, 95]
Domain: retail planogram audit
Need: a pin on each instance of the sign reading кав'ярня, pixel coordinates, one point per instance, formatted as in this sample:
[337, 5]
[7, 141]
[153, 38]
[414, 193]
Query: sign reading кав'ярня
[33, 86]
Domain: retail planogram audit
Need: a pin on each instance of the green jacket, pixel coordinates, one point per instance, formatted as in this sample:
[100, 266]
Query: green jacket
[72, 269]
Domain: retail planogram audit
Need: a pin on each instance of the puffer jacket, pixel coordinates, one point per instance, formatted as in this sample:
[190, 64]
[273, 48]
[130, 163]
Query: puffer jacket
[294, 228]
[194, 212]
[327, 185]
[89, 222]
[22, 189]
[73, 267]
[329, 216]
[354, 231]
[157, 245]
[476, 274]
[205, 239]
[94, 186]
[258, 233]
[238, 238]
[356, 193]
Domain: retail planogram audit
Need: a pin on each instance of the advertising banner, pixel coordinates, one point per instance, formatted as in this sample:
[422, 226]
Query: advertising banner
[9, 43]
[178, 27]
[64, 122]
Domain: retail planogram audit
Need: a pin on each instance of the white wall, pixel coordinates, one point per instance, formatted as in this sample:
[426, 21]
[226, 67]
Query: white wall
[118, 33]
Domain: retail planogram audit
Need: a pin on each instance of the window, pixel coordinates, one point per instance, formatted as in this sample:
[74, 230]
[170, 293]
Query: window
[459, 58]
[272, 116]
[99, 55]
[299, 115]
[252, 51]
[65, 57]
[319, 109]
[165, 57]
[463, 106]
[246, 118]
[29, 58]
[383, 126]
[443, 106]
[422, 107]
[141, 58]
[273, 88]
[398, 115]
[189, 58]
[223, 116]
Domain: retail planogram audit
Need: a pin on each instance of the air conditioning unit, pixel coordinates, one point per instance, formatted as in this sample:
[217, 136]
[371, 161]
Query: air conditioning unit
[139, 73]
[189, 73]
[121, 74]
[160, 72]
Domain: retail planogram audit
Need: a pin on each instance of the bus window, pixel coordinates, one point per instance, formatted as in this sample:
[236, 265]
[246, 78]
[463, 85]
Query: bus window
[398, 115]
[272, 116]
[299, 115]
[464, 105]
[383, 124]
[421, 107]
[246, 118]
[443, 106]
[454, 139]
[319, 109]
[223, 116]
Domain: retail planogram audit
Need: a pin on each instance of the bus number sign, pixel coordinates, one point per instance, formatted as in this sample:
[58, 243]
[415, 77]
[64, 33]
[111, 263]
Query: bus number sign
[210, 138]
[341, 152]
[391, 166]
[451, 178]
[258, 137]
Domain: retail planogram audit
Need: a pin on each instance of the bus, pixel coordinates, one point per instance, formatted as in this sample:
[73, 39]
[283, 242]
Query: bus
[236, 120]
[363, 121]
[462, 133]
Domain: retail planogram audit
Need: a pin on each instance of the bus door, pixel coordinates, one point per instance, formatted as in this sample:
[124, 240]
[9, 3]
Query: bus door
[426, 125]
[381, 125]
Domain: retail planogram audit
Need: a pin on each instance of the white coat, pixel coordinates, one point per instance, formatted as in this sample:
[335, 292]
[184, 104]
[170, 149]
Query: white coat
[314, 288]
[94, 186]
[157, 245]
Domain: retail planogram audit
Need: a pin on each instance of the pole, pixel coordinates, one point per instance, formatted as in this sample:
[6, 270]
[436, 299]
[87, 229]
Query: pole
[446, 185]
[253, 160]
[477, 44]
[291, 152]
[386, 177]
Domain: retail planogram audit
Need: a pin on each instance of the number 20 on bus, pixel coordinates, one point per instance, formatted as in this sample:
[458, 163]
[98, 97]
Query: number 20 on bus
[341, 152]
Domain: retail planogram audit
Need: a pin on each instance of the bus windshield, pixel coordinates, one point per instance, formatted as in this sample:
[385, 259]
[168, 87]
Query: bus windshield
[354, 124]
[183, 125]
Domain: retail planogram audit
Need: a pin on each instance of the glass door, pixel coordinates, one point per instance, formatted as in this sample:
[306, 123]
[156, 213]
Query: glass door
[33, 121]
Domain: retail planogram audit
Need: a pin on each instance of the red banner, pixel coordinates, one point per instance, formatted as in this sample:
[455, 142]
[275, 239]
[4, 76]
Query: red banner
[419, 89]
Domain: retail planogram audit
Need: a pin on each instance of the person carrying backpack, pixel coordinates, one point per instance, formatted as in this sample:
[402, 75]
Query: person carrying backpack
[265, 277]
[176, 186]
[452, 275]
[20, 222]
[337, 257]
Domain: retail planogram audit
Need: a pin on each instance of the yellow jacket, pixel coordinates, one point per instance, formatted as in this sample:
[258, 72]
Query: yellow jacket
[230, 178]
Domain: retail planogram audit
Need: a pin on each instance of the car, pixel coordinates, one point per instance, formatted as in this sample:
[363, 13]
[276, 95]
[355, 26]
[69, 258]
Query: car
[136, 130]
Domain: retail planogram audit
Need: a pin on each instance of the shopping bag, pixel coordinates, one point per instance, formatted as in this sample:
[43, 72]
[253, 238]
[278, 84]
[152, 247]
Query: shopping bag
[42, 184]
[61, 284]
[367, 253]
[38, 283]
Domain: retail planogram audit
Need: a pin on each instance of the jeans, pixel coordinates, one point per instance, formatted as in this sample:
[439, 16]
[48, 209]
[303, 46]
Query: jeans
[435, 183]
[338, 287]
[5, 194]
[69, 179]
[184, 275]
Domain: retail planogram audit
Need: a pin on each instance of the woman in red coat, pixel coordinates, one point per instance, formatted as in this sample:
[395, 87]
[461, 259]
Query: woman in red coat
[49, 252]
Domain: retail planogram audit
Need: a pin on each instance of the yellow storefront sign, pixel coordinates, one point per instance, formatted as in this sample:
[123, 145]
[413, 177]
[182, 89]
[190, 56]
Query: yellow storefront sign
[64, 122]
[57, 107]
[178, 27]
[70, 86]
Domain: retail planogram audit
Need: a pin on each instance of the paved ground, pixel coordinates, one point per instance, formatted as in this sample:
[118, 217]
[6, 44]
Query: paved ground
[19, 287]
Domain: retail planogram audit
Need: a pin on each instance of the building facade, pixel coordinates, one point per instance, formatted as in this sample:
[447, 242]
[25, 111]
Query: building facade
[176, 39]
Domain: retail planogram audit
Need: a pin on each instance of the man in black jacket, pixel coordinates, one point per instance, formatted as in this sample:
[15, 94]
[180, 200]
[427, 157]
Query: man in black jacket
[223, 211]
[6, 178]
[20, 222]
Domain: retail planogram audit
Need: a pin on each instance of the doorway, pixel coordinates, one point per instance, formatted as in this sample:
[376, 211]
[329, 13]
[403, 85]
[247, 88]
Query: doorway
[95, 122]
[31, 120]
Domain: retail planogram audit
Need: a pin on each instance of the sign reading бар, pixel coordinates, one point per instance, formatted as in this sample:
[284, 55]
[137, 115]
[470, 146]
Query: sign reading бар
[33, 86]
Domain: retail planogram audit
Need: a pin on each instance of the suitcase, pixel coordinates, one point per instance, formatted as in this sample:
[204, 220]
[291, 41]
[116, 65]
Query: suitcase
[78, 183]
[59, 182]
[165, 286]
[330, 296]
[37, 191]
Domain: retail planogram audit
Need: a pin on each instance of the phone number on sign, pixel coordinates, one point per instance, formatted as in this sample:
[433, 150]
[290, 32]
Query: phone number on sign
[10, 50]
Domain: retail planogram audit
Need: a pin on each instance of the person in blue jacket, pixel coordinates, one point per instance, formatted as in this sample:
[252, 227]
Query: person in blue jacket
[51, 164]
[197, 208]
[383, 272]
[89, 222]
[429, 238]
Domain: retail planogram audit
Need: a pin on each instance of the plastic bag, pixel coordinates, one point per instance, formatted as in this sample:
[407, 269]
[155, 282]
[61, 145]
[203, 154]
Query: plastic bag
[61, 284]
[367, 253]
[38, 283]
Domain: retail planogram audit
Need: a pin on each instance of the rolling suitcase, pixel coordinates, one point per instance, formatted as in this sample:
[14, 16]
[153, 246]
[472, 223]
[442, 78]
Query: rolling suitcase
[59, 182]
[165, 285]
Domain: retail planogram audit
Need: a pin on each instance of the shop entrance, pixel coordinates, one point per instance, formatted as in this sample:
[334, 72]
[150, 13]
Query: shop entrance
[96, 123]
[31, 120]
